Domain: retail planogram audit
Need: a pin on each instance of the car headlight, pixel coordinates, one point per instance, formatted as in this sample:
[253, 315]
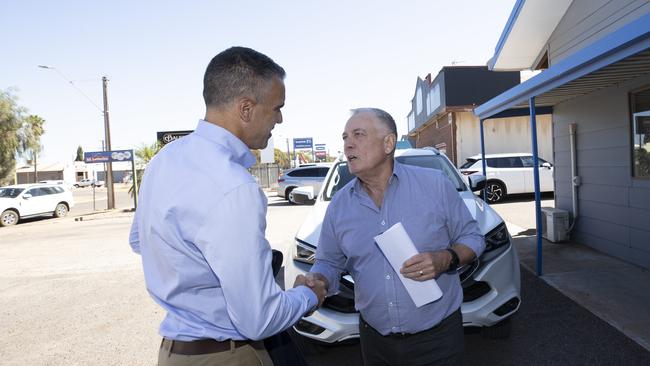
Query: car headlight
[497, 238]
[304, 252]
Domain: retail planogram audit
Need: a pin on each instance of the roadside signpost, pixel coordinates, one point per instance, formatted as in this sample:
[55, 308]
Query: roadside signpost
[165, 137]
[93, 157]
[304, 143]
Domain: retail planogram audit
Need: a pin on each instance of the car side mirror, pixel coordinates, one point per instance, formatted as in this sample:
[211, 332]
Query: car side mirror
[27, 196]
[303, 195]
[476, 182]
[547, 165]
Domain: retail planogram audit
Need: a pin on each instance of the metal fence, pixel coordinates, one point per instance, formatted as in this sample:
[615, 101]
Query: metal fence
[266, 175]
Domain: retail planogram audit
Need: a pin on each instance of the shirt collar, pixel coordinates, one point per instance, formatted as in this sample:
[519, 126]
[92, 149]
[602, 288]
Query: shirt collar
[219, 135]
[398, 170]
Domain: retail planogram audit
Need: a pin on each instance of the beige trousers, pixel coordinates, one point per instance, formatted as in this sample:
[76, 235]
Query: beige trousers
[241, 356]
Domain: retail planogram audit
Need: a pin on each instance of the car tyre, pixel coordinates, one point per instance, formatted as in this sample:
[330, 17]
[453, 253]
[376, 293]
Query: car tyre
[495, 191]
[61, 210]
[76, 186]
[289, 196]
[500, 330]
[8, 218]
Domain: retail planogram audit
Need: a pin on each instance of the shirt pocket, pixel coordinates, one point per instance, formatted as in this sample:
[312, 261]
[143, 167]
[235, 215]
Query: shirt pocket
[428, 232]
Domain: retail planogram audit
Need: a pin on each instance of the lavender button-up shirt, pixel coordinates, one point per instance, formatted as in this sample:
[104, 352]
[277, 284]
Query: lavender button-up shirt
[434, 216]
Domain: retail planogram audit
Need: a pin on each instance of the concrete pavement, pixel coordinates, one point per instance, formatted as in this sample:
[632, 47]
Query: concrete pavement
[616, 291]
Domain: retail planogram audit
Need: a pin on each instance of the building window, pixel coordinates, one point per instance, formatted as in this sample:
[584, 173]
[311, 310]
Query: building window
[418, 101]
[411, 121]
[640, 102]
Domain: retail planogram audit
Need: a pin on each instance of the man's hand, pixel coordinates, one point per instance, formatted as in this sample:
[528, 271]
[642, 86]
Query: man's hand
[316, 282]
[427, 265]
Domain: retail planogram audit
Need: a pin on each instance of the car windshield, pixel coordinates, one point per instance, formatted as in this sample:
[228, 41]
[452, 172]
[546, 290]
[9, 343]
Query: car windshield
[341, 176]
[468, 163]
[10, 192]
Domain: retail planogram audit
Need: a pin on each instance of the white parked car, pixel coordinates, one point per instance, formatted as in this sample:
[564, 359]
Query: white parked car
[88, 182]
[509, 174]
[491, 284]
[21, 201]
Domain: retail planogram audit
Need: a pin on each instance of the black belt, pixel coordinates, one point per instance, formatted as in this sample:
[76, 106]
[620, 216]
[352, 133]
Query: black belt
[402, 335]
[205, 346]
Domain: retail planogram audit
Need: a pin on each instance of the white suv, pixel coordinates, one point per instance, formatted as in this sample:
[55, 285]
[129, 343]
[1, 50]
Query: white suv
[509, 174]
[491, 284]
[27, 200]
[311, 175]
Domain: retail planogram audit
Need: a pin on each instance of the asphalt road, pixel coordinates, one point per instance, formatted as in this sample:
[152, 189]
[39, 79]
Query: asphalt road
[72, 293]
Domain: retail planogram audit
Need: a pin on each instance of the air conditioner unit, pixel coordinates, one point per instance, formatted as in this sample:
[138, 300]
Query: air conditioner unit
[555, 224]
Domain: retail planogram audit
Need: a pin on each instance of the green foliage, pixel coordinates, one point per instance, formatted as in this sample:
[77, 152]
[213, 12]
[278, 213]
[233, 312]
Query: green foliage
[20, 136]
[31, 131]
[80, 154]
[143, 156]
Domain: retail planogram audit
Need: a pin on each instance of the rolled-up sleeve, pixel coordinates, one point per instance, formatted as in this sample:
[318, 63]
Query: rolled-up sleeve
[463, 229]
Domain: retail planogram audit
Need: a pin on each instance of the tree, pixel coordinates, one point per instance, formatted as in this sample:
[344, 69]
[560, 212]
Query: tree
[143, 155]
[80, 154]
[10, 142]
[30, 145]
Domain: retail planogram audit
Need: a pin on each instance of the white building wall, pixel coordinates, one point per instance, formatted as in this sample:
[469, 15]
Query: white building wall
[502, 135]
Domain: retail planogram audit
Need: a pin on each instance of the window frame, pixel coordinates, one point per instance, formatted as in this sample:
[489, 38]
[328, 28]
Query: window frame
[631, 121]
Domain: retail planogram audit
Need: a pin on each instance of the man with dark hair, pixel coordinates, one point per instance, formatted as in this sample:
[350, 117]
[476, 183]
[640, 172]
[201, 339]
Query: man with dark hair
[393, 330]
[201, 222]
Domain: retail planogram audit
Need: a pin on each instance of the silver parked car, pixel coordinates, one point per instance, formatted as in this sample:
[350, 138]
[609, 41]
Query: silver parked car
[311, 175]
[491, 283]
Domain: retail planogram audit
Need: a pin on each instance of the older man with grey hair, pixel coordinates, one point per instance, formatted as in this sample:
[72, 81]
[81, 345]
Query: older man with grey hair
[393, 330]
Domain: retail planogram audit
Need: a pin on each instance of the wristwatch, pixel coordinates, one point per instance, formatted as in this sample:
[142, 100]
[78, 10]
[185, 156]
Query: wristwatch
[453, 265]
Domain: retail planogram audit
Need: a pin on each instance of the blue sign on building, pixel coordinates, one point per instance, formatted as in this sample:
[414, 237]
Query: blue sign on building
[108, 156]
[303, 143]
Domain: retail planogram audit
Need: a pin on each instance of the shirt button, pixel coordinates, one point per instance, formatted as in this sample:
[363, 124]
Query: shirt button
[390, 304]
[388, 277]
[383, 222]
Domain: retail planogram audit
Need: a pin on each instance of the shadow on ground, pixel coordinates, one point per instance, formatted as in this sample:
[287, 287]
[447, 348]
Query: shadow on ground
[549, 329]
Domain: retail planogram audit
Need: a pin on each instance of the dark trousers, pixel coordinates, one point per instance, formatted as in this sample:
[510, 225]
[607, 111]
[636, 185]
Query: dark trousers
[443, 344]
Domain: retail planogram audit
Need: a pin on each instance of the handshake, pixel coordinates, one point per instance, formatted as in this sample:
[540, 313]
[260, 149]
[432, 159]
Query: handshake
[316, 282]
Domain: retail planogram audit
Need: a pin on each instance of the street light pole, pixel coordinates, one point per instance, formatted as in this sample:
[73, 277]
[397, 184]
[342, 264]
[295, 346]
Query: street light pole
[107, 137]
[107, 130]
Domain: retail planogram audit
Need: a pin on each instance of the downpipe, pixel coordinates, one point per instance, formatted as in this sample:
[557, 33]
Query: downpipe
[575, 179]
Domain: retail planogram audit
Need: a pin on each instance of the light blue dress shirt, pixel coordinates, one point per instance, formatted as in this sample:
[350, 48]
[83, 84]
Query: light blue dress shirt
[433, 215]
[199, 228]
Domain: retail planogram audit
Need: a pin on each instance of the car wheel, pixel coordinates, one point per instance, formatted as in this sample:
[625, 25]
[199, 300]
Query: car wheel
[76, 186]
[289, 196]
[61, 210]
[8, 218]
[496, 191]
[500, 330]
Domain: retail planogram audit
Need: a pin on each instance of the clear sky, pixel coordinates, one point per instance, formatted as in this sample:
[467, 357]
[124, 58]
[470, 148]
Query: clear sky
[338, 56]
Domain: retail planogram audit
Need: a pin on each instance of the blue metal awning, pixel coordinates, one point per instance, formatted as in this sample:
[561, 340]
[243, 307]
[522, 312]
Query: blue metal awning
[620, 56]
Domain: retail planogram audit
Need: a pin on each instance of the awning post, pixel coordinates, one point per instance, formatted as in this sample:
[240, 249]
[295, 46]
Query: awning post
[538, 204]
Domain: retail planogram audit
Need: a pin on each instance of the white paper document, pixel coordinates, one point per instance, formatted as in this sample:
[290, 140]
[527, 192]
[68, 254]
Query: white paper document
[397, 246]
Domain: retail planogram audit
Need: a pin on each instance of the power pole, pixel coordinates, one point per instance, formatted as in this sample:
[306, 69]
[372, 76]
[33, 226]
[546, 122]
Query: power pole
[107, 137]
